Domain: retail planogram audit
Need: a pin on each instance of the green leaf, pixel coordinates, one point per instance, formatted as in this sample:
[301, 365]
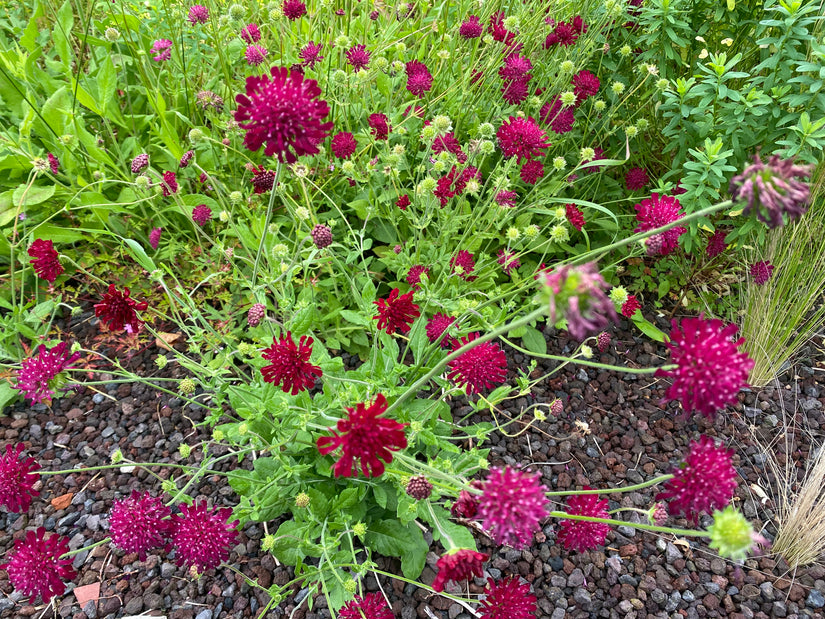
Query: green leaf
[34, 195]
[384, 84]
[355, 318]
[139, 254]
[288, 542]
[7, 394]
[58, 234]
[106, 81]
[393, 539]
[439, 518]
[534, 341]
[648, 328]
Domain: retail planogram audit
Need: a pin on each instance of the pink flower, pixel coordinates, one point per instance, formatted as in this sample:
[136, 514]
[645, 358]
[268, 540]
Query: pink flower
[761, 272]
[773, 190]
[35, 567]
[565, 34]
[321, 236]
[255, 55]
[343, 145]
[290, 367]
[254, 316]
[585, 85]
[636, 179]
[202, 537]
[186, 158]
[285, 113]
[464, 260]
[44, 260]
[511, 506]
[459, 565]
[310, 54]
[574, 216]
[372, 606]
[522, 138]
[251, 34]
[506, 199]
[480, 368]
[396, 312]
[507, 599]
[198, 14]
[531, 171]
[710, 369]
[379, 126]
[419, 79]
[54, 164]
[655, 212]
[631, 306]
[437, 325]
[140, 162]
[35, 376]
[294, 9]
[516, 67]
[358, 57]
[471, 28]
[582, 535]
[162, 48]
[589, 309]
[705, 481]
[508, 261]
[17, 479]
[139, 523]
[515, 92]
[364, 436]
[117, 310]
[154, 237]
[201, 214]
[169, 184]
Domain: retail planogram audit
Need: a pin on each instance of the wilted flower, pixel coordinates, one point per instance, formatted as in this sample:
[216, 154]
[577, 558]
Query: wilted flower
[761, 272]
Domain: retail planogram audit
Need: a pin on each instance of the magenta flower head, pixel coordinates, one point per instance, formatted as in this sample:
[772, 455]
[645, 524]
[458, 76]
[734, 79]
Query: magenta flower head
[139, 523]
[397, 312]
[201, 214]
[773, 190]
[710, 370]
[761, 272]
[582, 535]
[716, 243]
[585, 85]
[311, 54]
[294, 9]
[290, 367]
[202, 537]
[37, 376]
[118, 310]
[35, 567]
[54, 163]
[255, 55]
[655, 212]
[364, 437]
[284, 113]
[379, 126]
[17, 479]
[471, 28]
[458, 565]
[419, 79]
[522, 138]
[154, 237]
[372, 606]
[162, 50]
[358, 57]
[437, 325]
[462, 264]
[198, 14]
[44, 260]
[511, 506]
[321, 236]
[250, 34]
[481, 368]
[636, 179]
[705, 481]
[559, 117]
[343, 144]
[169, 185]
[582, 289]
[507, 599]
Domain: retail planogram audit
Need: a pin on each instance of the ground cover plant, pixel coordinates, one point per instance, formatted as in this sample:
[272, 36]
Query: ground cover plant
[415, 186]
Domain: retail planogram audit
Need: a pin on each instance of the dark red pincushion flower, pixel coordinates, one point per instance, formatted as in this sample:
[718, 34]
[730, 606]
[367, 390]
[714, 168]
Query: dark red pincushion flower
[201, 214]
[496, 28]
[465, 506]
[516, 67]
[366, 437]
[582, 535]
[507, 599]
[481, 367]
[255, 55]
[704, 482]
[511, 506]
[118, 310]
[506, 199]
[585, 85]
[202, 537]
[186, 159]
[251, 33]
[139, 523]
[522, 138]
[37, 372]
[710, 369]
[343, 145]
[508, 260]
[657, 211]
[371, 606]
[290, 367]
[311, 54]
[403, 202]
[531, 171]
[598, 153]
[169, 184]
[154, 237]
[414, 274]
[262, 179]
[560, 118]
[716, 243]
[448, 142]
[761, 272]
[284, 113]
[419, 79]
[463, 259]
[35, 567]
[437, 325]
[515, 91]
[574, 216]
[563, 34]
[397, 312]
[636, 179]
[630, 306]
[459, 565]
[471, 28]
[379, 126]
[294, 9]
[17, 479]
[198, 14]
[603, 341]
[45, 260]
[358, 57]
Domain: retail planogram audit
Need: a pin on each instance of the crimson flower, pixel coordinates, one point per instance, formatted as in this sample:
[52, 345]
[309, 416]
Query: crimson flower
[358, 57]
[463, 264]
[262, 180]
[343, 144]
[366, 437]
[284, 113]
[202, 537]
[585, 85]
[582, 535]
[716, 243]
[497, 29]
[508, 260]
[118, 310]
[437, 325]
[710, 369]
[255, 55]
[154, 237]
[198, 14]
[169, 184]
[250, 33]
[419, 79]
[471, 28]
[201, 214]
[636, 179]
[371, 606]
[531, 171]
[773, 189]
[565, 34]
[38, 371]
[482, 367]
[511, 506]
[459, 565]
[559, 117]
[311, 54]
[294, 9]
[379, 126]
[414, 275]
[139, 523]
[45, 260]
[761, 272]
[465, 506]
[396, 313]
[705, 481]
[506, 199]
[321, 236]
[448, 142]
[17, 479]
[630, 306]
[507, 599]
[290, 367]
[655, 212]
[522, 138]
[575, 216]
[35, 567]
[54, 163]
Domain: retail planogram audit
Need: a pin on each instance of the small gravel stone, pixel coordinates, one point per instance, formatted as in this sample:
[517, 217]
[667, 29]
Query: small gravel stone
[582, 598]
[815, 599]
[206, 613]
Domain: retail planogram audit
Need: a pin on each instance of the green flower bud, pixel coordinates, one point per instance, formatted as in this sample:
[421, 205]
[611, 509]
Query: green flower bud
[731, 535]
[186, 386]
[302, 500]
[185, 450]
[359, 529]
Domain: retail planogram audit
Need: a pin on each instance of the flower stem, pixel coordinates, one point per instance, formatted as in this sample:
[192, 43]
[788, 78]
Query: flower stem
[644, 484]
[635, 525]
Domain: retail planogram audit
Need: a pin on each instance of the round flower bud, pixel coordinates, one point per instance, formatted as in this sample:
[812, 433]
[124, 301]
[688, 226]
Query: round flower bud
[587, 352]
[559, 163]
[397, 66]
[302, 500]
[255, 314]
[731, 535]
[511, 23]
[599, 105]
[348, 167]
[184, 450]
[342, 41]
[617, 88]
[161, 361]
[512, 234]
[321, 236]
[631, 131]
[625, 50]
[587, 154]
[486, 147]
[567, 66]
[350, 586]
[486, 130]
[302, 213]
[186, 386]
[429, 133]
[642, 124]
[559, 233]
[223, 216]
[339, 77]
[419, 488]
[662, 84]
[195, 136]
[237, 12]
[618, 295]
[268, 542]
[531, 231]
[359, 529]
[426, 186]
[142, 182]
[444, 54]
[111, 34]
[218, 434]
[236, 197]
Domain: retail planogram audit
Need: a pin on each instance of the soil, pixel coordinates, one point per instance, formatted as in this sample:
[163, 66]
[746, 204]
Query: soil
[613, 431]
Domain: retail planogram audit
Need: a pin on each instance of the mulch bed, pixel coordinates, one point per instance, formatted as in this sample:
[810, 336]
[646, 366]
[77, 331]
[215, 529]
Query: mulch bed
[628, 438]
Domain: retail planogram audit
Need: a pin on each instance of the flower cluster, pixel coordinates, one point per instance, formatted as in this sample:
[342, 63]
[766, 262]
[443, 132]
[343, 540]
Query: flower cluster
[36, 568]
[44, 260]
[482, 367]
[119, 311]
[583, 535]
[140, 523]
[203, 537]
[458, 565]
[397, 312]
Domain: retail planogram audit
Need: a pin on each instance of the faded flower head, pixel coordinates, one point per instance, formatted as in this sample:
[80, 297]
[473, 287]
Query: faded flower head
[290, 367]
[581, 288]
[459, 565]
[139, 523]
[511, 506]
[481, 368]
[655, 212]
[17, 479]
[397, 312]
[705, 481]
[732, 536]
[35, 567]
[582, 535]
[202, 537]
[44, 260]
[773, 190]
[36, 377]
[507, 599]
[118, 310]
[716, 243]
[710, 369]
